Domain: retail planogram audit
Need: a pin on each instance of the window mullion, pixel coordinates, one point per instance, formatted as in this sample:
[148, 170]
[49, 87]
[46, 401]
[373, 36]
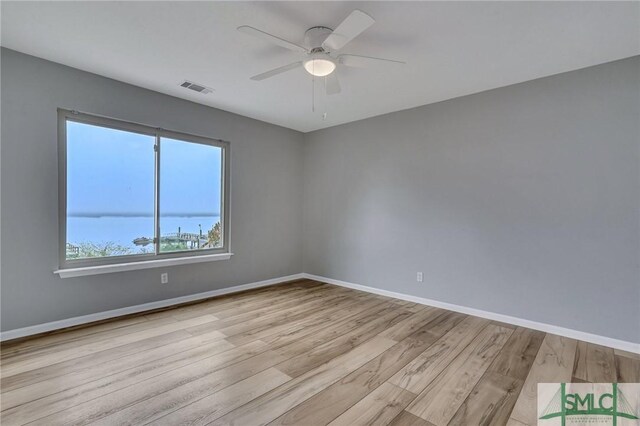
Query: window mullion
[156, 238]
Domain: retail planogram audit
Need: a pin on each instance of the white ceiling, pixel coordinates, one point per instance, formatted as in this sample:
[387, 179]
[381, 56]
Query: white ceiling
[452, 49]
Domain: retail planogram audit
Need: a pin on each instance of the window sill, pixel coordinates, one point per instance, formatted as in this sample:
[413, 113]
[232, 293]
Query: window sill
[133, 266]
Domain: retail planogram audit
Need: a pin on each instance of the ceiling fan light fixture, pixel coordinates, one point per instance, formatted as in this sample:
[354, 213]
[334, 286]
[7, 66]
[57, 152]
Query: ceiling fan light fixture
[320, 66]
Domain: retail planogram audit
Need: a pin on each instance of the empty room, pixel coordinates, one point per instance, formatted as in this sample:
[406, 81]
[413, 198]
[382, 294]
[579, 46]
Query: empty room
[320, 213]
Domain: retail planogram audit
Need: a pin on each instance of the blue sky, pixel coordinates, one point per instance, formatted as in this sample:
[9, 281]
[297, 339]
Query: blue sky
[112, 172]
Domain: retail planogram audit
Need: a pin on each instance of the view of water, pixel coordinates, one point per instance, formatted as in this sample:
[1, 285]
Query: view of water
[123, 230]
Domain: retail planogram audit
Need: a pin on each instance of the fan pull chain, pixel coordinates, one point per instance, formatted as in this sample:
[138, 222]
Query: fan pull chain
[324, 114]
[313, 88]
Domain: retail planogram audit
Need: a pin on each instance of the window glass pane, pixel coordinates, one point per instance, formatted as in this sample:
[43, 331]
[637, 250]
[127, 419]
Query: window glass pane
[110, 192]
[190, 196]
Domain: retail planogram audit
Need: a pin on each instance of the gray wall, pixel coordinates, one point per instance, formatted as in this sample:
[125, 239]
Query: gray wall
[266, 218]
[523, 200]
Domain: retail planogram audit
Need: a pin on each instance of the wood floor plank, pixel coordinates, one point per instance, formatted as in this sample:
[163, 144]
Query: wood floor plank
[594, 363]
[300, 341]
[281, 301]
[271, 405]
[88, 361]
[405, 418]
[518, 354]
[428, 365]
[187, 347]
[514, 422]
[340, 317]
[220, 371]
[85, 399]
[300, 364]
[439, 326]
[490, 403]
[578, 380]
[504, 324]
[343, 308]
[222, 310]
[631, 355]
[230, 382]
[410, 325]
[266, 310]
[338, 332]
[92, 338]
[269, 318]
[409, 306]
[11, 349]
[284, 317]
[580, 362]
[627, 369]
[553, 364]
[380, 407]
[440, 400]
[325, 406]
[234, 300]
[215, 405]
[21, 366]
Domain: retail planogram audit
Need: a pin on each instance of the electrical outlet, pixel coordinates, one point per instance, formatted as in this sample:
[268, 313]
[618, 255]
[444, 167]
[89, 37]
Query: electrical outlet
[419, 277]
[164, 278]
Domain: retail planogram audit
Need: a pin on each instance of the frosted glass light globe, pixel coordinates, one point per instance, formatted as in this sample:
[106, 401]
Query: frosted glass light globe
[320, 67]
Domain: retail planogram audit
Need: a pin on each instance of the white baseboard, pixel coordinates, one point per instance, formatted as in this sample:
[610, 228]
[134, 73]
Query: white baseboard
[547, 328]
[70, 322]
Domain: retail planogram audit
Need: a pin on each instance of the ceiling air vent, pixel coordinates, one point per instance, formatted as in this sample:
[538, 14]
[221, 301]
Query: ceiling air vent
[196, 87]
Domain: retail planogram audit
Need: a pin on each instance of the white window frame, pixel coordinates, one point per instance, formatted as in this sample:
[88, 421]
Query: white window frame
[90, 266]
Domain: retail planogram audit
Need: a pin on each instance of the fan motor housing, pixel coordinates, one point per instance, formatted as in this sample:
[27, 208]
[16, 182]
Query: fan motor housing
[315, 36]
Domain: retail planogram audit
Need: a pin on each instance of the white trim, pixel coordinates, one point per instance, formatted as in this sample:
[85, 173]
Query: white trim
[70, 322]
[547, 328]
[145, 264]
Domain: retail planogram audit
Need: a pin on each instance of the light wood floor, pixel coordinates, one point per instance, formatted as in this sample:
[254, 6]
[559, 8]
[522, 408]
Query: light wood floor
[302, 353]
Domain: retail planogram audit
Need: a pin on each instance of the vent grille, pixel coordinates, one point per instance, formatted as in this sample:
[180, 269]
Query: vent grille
[196, 87]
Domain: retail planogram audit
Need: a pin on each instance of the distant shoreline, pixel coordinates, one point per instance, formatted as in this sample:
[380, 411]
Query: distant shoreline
[98, 215]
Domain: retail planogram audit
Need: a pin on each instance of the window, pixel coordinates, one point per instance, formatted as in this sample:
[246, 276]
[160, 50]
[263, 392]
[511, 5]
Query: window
[130, 192]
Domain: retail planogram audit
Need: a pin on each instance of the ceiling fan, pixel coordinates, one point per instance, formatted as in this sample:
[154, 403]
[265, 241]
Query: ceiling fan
[320, 59]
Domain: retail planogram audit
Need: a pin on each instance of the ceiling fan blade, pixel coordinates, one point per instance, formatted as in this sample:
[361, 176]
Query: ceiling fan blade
[332, 85]
[350, 28]
[358, 61]
[271, 38]
[276, 71]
